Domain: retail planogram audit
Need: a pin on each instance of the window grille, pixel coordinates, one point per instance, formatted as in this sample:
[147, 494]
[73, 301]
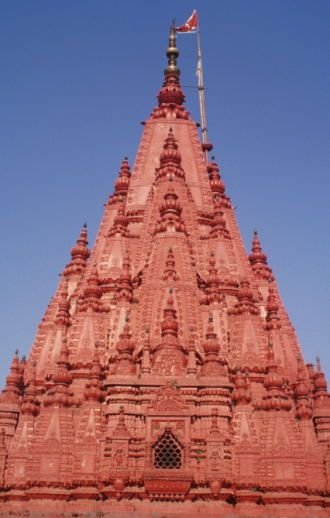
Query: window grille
[167, 452]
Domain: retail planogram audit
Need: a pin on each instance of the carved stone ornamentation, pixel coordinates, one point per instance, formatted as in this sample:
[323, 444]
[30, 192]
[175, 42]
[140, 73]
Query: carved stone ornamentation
[165, 378]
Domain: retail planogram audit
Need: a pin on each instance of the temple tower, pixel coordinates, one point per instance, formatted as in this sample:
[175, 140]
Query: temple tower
[165, 376]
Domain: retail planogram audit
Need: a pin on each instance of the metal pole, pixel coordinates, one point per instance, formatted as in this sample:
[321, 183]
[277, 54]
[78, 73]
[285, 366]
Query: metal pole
[201, 92]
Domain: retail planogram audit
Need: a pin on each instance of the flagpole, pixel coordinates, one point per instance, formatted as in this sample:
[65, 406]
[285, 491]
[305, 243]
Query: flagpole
[192, 26]
[201, 95]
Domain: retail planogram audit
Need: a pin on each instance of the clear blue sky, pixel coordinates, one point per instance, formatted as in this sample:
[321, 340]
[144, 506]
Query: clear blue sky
[78, 76]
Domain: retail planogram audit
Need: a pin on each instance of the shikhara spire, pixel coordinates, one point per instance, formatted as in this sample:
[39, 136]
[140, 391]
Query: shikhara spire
[165, 368]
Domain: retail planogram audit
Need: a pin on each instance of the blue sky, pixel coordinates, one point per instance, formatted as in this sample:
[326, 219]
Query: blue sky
[78, 77]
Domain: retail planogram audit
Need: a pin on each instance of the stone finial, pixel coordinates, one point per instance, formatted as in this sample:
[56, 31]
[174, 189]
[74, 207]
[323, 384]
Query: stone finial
[170, 159]
[320, 384]
[63, 311]
[58, 393]
[12, 390]
[171, 92]
[120, 222]
[170, 271]
[170, 213]
[124, 283]
[272, 307]
[79, 254]
[216, 183]
[276, 397]
[125, 349]
[245, 300]
[124, 176]
[219, 227]
[169, 324]
[30, 403]
[92, 293]
[93, 390]
[258, 260]
[302, 393]
[212, 366]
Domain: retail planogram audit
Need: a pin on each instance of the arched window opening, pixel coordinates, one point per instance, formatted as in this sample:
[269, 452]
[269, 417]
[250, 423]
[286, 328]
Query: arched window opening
[167, 452]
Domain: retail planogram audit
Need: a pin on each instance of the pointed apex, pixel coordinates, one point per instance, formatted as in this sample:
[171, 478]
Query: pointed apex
[172, 54]
[12, 390]
[216, 183]
[219, 227]
[272, 317]
[171, 94]
[122, 182]
[63, 311]
[258, 259]
[79, 254]
[320, 383]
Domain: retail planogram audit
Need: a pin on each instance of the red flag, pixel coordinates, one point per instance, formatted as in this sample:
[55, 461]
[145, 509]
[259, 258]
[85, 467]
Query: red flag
[190, 25]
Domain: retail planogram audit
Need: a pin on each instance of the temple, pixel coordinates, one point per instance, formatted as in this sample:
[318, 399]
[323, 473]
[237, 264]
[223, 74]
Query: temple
[166, 378]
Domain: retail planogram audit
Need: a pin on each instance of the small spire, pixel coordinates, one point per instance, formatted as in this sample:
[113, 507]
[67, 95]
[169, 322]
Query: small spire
[246, 301]
[170, 159]
[276, 397]
[258, 259]
[125, 348]
[212, 365]
[59, 393]
[93, 391]
[63, 311]
[30, 404]
[93, 290]
[79, 254]
[272, 318]
[169, 324]
[120, 222]
[122, 182]
[170, 271]
[92, 295]
[12, 390]
[124, 283]
[219, 227]
[172, 54]
[320, 383]
[216, 183]
[170, 213]
[170, 94]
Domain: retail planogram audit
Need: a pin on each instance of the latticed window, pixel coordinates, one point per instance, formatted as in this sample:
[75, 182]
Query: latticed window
[167, 452]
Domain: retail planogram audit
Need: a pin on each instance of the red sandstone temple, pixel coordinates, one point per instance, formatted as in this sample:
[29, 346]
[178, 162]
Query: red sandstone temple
[166, 378]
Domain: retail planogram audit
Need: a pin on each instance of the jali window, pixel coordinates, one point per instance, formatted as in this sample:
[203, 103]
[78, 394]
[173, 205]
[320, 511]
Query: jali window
[167, 452]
